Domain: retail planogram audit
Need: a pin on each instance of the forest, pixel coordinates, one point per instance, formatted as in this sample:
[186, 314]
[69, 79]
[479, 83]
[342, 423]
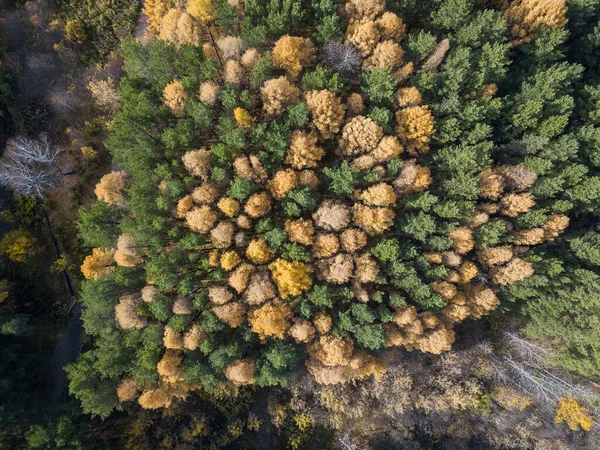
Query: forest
[300, 224]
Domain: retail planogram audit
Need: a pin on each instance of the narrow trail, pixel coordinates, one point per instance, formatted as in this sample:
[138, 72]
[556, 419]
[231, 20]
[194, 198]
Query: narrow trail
[69, 345]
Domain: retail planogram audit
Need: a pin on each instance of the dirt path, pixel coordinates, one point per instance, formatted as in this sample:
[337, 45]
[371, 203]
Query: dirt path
[66, 351]
[142, 24]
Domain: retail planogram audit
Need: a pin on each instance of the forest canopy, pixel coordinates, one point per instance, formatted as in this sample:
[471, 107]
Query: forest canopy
[311, 183]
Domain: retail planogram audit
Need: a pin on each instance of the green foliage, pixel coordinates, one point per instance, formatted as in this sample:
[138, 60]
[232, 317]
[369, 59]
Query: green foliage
[104, 23]
[240, 188]
[491, 234]
[383, 117]
[370, 337]
[340, 179]
[565, 307]
[323, 78]
[98, 395]
[295, 252]
[320, 296]
[378, 85]
[261, 71]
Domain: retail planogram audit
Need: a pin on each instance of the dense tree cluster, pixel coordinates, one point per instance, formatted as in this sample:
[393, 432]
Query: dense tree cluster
[320, 186]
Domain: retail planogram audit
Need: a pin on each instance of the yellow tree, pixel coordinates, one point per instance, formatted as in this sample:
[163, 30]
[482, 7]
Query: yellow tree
[17, 245]
[573, 414]
[527, 16]
[109, 188]
[98, 264]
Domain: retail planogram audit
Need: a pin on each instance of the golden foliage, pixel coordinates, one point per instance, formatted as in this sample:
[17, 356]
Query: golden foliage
[170, 366]
[360, 135]
[511, 399]
[228, 206]
[259, 252]
[373, 221]
[409, 96]
[300, 231]
[381, 194]
[241, 371]
[462, 240]
[327, 111]
[353, 239]
[126, 313]
[240, 276]
[18, 245]
[468, 270]
[364, 9]
[514, 204]
[202, 10]
[332, 350]
[98, 264]
[283, 182]
[574, 415]
[325, 245]
[184, 205]
[293, 54]
[516, 270]
[155, 10]
[386, 54]
[390, 26]
[271, 320]
[322, 322]
[109, 188]
[201, 219]
[277, 94]
[364, 35]
[242, 118]
[233, 314]
[179, 28]
[525, 17]
[229, 260]
[303, 152]
[174, 97]
[208, 92]
[128, 390]
[415, 125]
[75, 31]
[292, 278]
[258, 205]
[127, 254]
[197, 162]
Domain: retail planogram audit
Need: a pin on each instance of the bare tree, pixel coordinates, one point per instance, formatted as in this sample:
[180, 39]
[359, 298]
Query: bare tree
[526, 366]
[29, 167]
